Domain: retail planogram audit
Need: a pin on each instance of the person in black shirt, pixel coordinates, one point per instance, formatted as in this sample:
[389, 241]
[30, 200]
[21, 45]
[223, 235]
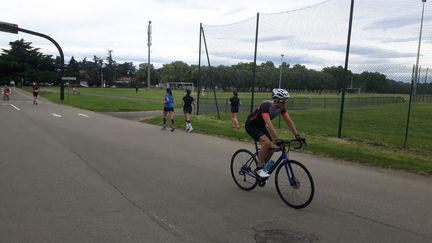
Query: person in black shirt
[36, 90]
[188, 101]
[260, 127]
[235, 104]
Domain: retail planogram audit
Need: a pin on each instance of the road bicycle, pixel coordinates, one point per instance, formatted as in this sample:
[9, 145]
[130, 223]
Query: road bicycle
[293, 180]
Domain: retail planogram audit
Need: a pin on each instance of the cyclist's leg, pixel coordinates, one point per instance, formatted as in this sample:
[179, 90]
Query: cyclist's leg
[265, 153]
[264, 138]
[270, 152]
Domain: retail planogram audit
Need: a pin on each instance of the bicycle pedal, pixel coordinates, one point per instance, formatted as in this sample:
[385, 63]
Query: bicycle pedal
[261, 183]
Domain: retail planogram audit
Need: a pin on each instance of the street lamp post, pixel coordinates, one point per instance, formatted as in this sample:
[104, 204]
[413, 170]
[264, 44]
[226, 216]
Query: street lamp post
[102, 77]
[280, 76]
[416, 74]
[13, 28]
[280, 81]
[149, 42]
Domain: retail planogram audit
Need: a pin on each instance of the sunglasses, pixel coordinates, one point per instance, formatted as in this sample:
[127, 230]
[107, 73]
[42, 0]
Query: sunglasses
[279, 101]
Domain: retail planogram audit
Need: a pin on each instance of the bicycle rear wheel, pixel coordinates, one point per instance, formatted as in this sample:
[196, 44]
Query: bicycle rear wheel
[243, 164]
[296, 189]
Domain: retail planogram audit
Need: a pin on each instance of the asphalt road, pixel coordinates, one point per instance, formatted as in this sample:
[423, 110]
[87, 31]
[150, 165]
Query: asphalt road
[70, 175]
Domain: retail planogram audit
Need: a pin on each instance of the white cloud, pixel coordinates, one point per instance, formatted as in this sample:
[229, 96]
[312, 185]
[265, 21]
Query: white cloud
[86, 28]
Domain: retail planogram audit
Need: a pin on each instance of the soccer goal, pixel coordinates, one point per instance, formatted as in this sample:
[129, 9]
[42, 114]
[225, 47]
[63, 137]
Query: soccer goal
[181, 85]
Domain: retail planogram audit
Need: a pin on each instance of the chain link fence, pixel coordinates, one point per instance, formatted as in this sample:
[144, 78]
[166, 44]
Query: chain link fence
[304, 50]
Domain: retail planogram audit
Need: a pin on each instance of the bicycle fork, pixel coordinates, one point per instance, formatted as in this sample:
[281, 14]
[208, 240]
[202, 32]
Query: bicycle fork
[293, 181]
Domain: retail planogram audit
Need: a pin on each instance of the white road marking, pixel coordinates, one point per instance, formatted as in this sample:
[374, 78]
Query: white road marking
[27, 96]
[56, 115]
[164, 223]
[18, 109]
[81, 114]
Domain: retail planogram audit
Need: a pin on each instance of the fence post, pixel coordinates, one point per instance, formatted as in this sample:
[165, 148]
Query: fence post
[346, 70]
[254, 66]
[199, 73]
[226, 105]
[409, 108]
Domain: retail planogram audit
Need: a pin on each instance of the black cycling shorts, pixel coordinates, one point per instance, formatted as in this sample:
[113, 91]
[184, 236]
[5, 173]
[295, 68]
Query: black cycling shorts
[168, 109]
[187, 110]
[256, 131]
[234, 109]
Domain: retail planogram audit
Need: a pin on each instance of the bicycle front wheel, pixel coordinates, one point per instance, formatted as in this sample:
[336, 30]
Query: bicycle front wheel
[243, 164]
[295, 186]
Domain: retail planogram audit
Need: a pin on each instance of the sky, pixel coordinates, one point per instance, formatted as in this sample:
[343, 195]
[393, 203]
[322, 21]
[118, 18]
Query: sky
[384, 31]
[84, 28]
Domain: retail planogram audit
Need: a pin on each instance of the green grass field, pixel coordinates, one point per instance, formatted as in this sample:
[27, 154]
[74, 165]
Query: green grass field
[372, 134]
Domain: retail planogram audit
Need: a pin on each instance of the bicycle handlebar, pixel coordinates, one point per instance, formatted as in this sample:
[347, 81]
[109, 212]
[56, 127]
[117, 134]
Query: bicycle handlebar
[288, 142]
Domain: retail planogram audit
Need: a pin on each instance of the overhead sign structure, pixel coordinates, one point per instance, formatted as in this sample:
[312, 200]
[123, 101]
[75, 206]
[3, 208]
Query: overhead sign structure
[69, 78]
[13, 28]
[8, 27]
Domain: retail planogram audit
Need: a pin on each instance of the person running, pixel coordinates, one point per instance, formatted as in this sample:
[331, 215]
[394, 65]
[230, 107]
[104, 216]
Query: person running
[260, 127]
[235, 104]
[36, 90]
[188, 101]
[168, 108]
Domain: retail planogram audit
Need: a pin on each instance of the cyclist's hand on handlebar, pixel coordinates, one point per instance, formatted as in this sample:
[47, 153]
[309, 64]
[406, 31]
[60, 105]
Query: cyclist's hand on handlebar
[279, 142]
[300, 139]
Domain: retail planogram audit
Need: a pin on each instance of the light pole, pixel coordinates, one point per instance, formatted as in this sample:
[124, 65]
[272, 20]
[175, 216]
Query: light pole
[418, 52]
[280, 76]
[149, 42]
[280, 81]
[110, 65]
[102, 78]
[13, 28]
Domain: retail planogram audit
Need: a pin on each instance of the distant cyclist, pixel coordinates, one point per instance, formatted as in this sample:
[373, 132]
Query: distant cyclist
[260, 127]
[6, 92]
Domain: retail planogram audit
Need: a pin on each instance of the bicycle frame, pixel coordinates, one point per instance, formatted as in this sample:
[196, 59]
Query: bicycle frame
[283, 158]
[296, 187]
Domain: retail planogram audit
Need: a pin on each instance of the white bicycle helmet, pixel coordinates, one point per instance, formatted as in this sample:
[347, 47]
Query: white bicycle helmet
[280, 94]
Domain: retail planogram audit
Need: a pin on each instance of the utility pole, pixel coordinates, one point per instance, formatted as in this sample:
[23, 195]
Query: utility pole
[111, 62]
[102, 82]
[149, 42]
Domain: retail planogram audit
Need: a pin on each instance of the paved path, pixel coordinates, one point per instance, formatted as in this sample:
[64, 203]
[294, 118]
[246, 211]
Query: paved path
[70, 175]
[134, 115]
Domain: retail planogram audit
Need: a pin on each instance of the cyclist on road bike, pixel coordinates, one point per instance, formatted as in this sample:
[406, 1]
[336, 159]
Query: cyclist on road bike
[6, 92]
[260, 127]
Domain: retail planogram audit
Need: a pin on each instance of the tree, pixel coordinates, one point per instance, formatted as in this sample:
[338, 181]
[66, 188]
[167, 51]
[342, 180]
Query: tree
[339, 74]
[22, 61]
[72, 69]
[126, 69]
[110, 71]
[374, 82]
[177, 71]
[140, 78]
